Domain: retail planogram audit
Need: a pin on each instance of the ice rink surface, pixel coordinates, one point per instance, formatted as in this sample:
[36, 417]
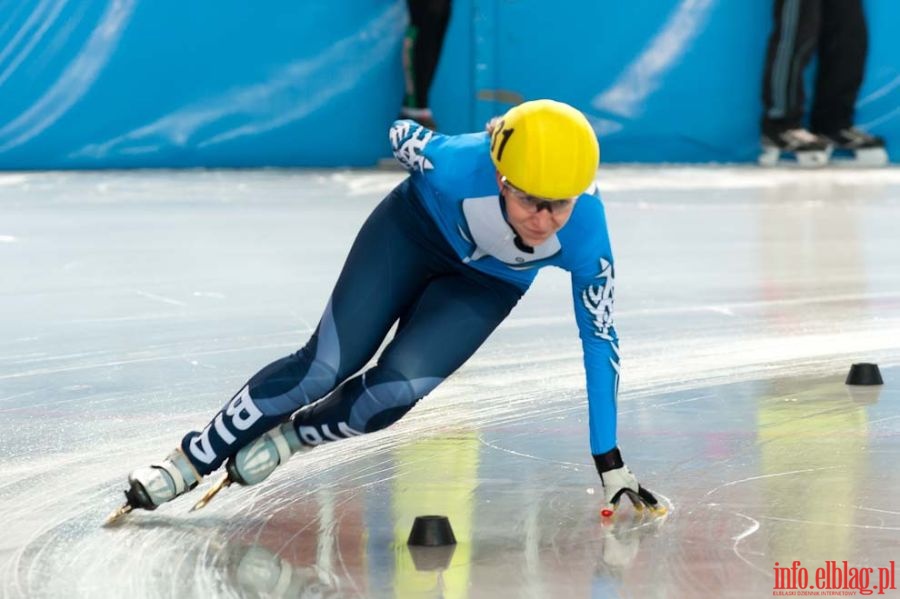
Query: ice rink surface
[134, 304]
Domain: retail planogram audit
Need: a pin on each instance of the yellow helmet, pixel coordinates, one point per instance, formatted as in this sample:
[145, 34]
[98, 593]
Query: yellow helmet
[546, 148]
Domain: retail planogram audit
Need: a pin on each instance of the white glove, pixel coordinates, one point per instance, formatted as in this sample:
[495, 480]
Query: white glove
[618, 480]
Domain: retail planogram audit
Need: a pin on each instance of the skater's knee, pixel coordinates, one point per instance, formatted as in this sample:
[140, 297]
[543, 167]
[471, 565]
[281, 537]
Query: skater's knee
[364, 404]
[292, 382]
[304, 376]
[387, 417]
[387, 395]
[320, 379]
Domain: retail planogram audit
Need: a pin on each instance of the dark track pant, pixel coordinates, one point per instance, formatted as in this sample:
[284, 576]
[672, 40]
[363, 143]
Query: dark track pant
[836, 30]
[399, 270]
[428, 21]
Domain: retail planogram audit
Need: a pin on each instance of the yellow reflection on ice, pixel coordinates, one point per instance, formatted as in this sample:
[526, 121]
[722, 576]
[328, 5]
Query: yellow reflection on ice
[436, 476]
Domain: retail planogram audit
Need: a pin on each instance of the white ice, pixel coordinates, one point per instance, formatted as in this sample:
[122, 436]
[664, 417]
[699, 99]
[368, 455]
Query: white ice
[135, 303]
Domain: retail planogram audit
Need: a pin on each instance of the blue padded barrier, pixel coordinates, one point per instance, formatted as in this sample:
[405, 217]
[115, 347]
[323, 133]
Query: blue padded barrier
[122, 83]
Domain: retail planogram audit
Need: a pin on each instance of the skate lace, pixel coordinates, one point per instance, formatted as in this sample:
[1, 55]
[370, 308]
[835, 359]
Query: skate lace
[856, 135]
[800, 136]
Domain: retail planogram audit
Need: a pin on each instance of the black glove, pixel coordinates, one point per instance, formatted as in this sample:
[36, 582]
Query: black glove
[618, 480]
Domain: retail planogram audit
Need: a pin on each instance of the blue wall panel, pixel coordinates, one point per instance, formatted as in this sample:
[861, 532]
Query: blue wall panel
[122, 83]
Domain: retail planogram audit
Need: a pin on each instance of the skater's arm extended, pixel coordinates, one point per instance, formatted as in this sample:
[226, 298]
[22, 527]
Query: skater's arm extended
[593, 292]
[594, 313]
[593, 297]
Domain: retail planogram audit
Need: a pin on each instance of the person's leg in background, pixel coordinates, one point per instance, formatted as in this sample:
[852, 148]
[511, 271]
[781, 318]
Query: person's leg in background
[842, 58]
[795, 34]
[843, 46]
[428, 20]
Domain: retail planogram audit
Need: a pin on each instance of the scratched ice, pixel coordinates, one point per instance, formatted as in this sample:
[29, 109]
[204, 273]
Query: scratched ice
[134, 304]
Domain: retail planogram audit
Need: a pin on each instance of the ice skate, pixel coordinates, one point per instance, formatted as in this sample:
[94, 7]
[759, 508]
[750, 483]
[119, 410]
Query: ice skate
[154, 485]
[857, 147]
[794, 145]
[255, 462]
[423, 116]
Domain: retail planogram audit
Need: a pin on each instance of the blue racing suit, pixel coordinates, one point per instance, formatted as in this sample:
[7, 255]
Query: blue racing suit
[438, 258]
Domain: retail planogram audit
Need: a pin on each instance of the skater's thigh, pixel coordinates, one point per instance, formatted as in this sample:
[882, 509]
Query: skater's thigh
[383, 275]
[453, 316]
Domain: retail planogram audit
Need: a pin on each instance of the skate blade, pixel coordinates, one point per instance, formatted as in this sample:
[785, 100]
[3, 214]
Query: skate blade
[812, 159]
[867, 157]
[769, 157]
[213, 491]
[774, 157]
[654, 511]
[118, 514]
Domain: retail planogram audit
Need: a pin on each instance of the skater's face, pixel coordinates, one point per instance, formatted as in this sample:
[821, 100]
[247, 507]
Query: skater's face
[535, 220]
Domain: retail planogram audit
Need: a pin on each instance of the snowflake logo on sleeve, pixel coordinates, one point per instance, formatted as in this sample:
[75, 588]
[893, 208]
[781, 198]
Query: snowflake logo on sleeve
[598, 299]
[408, 140]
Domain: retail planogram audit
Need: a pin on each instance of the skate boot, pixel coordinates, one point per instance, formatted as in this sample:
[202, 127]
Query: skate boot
[423, 116]
[156, 484]
[255, 462]
[807, 149]
[858, 147]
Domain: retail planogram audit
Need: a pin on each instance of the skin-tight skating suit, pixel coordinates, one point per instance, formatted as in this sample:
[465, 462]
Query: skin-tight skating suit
[438, 258]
